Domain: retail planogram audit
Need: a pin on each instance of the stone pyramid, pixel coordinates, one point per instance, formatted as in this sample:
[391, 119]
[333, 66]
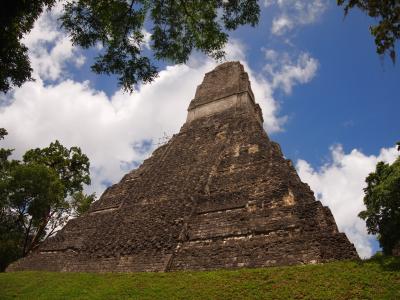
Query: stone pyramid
[219, 194]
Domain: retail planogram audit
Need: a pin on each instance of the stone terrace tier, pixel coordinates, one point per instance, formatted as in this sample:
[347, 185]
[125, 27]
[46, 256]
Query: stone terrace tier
[219, 194]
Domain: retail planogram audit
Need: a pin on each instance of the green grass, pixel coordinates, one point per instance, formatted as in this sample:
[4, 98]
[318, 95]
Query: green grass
[378, 278]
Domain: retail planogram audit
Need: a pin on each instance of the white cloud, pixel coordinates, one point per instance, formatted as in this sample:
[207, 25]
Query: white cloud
[49, 48]
[294, 13]
[285, 69]
[271, 54]
[146, 38]
[284, 72]
[268, 3]
[108, 129]
[105, 128]
[281, 24]
[339, 185]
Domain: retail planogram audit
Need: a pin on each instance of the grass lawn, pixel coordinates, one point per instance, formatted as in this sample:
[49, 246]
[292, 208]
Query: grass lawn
[378, 278]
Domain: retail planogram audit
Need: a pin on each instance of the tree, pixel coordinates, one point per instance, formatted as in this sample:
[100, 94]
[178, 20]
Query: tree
[38, 195]
[11, 232]
[382, 201]
[81, 203]
[177, 28]
[71, 165]
[17, 18]
[387, 31]
[11, 237]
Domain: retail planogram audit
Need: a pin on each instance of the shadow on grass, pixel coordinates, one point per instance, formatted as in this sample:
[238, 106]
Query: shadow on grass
[387, 263]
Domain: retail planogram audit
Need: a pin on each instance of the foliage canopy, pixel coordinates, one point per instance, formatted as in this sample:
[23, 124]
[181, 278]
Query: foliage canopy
[38, 195]
[382, 201]
[17, 19]
[387, 31]
[177, 28]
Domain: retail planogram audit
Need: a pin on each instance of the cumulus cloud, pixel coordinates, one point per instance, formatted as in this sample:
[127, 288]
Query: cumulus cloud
[285, 69]
[294, 13]
[284, 72]
[50, 48]
[108, 129]
[339, 185]
[146, 39]
[117, 132]
[281, 24]
[268, 3]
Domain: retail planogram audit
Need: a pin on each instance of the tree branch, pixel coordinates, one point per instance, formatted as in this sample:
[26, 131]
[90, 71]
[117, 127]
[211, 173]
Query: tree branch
[24, 252]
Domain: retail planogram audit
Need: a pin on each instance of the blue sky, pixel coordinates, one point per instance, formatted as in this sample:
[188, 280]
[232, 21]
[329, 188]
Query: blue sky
[353, 99]
[327, 98]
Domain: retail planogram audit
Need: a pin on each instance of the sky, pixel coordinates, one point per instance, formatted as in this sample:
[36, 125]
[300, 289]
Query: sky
[327, 98]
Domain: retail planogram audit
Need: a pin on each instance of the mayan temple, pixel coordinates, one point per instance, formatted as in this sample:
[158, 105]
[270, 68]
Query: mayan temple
[219, 194]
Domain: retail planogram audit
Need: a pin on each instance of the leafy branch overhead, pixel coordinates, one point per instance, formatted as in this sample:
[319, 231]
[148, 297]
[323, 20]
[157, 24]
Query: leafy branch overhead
[177, 28]
[387, 31]
[16, 20]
